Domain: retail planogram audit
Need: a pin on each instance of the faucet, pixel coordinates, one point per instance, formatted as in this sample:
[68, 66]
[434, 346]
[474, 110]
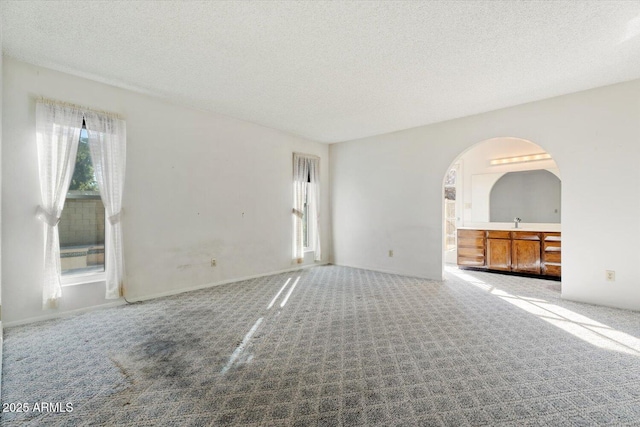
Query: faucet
[516, 221]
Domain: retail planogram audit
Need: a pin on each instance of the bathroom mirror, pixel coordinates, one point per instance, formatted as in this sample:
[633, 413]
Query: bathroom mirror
[533, 195]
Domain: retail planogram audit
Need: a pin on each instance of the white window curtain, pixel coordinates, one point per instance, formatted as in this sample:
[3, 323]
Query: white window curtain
[107, 143]
[300, 178]
[314, 209]
[57, 135]
[306, 177]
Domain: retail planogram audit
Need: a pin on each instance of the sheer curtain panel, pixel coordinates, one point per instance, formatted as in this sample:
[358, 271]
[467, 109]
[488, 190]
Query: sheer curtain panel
[314, 211]
[300, 178]
[108, 144]
[57, 135]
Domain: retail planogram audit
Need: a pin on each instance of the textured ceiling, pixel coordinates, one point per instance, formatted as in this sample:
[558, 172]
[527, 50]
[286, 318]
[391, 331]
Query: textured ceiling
[334, 71]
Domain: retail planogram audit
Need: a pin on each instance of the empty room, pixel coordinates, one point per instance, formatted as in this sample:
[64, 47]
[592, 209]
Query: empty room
[310, 213]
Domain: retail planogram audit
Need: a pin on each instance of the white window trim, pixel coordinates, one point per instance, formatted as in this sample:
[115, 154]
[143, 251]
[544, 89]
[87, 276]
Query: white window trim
[83, 278]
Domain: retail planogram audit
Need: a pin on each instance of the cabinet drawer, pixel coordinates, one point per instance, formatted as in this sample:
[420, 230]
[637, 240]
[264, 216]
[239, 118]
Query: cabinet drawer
[553, 270]
[525, 235]
[471, 234]
[470, 257]
[551, 237]
[471, 242]
[552, 257]
[552, 246]
[493, 234]
[471, 262]
[471, 252]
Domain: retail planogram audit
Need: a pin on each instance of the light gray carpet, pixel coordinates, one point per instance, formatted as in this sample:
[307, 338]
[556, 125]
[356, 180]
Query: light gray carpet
[349, 348]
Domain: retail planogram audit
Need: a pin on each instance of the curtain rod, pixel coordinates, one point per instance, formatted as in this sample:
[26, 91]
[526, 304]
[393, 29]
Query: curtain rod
[44, 100]
[309, 156]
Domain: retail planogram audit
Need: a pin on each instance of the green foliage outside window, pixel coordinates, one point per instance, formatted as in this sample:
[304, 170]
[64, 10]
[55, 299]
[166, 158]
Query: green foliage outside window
[83, 178]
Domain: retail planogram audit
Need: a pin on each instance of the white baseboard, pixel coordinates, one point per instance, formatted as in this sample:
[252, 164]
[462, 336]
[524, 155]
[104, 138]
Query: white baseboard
[57, 315]
[379, 270]
[224, 282]
[120, 302]
[1, 352]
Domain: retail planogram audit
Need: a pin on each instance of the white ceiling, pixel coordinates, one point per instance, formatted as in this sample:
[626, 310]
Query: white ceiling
[334, 71]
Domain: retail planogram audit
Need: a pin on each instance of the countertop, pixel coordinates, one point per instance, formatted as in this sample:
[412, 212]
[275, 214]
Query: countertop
[508, 226]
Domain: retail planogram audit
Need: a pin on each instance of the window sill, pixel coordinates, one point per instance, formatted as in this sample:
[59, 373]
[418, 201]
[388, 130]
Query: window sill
[82, 279]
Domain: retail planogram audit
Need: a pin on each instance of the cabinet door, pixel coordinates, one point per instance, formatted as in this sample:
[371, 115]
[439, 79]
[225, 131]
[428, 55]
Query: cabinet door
[525, 256]
[499, 254]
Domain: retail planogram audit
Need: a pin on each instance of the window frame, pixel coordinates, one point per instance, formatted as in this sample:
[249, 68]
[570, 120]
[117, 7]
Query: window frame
[78, 278]
[305, 208]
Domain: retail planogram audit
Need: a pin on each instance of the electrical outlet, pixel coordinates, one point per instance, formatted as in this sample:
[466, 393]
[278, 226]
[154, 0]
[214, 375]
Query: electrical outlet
[390, 253]
[611, 275]
[213, 262]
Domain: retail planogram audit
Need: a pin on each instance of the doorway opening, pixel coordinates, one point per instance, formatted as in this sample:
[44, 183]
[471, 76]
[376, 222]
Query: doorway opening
[504, 184]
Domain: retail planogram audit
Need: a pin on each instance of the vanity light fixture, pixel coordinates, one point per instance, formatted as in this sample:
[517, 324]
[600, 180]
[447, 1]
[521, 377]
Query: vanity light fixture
[520, 159]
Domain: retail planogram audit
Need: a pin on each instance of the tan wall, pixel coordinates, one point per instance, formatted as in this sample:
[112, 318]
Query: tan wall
[82, 222]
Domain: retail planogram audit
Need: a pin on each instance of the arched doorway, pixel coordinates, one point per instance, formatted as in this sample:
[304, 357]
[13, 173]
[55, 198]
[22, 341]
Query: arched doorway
[471, 177]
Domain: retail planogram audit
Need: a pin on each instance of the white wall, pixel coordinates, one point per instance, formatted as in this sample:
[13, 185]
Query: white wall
[387, 189]
[199, 185]
[1, 62]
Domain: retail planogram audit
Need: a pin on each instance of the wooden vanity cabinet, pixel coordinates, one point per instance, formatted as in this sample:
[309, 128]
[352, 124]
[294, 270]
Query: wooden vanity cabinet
[471, 248]
[498, 250]
[528, 252]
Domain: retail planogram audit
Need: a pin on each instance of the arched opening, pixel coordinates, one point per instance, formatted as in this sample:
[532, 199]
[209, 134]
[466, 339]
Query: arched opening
[488, 187]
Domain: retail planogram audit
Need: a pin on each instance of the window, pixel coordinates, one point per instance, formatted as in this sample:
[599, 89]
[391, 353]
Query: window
[60, 129]
[306, 206]
[450, 216]
[82, 223]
